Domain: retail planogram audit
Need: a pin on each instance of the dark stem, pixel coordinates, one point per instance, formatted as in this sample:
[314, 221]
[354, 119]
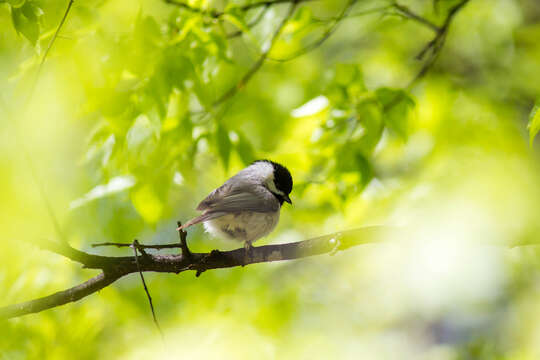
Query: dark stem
[135, 246]
[60, 298]
[257, 65]
[406, 12]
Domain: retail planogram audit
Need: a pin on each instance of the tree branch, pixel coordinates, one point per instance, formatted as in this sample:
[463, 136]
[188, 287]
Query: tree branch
[436, 44]
[257, 65]
[218, 14]
[251, 24]
[406, 12]
[114, 268]
[53, 39]
[325, 36]
[60, 298]
[440, 36]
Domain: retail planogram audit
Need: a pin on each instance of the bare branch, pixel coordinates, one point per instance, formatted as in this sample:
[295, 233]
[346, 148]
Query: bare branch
[257, 65]
[443, 30]
[53, 39]
[60, 298]
[402, 10]
[436, 44]
[218, 14]
[270, 3]
[115, 268]
[251, 24]
[141, 246]
[324, 37]
[375, 10]
[405, 11]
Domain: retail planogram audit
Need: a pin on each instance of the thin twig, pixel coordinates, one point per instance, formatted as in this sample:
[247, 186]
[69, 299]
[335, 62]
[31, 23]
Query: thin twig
[436, 44]
[218, 14]
[443, 30]
[257, 65]
[323, 38]
[405, 11]
[374, 10]
[135, 246]
[251, 24]
[53, 39]
[120, 245]
[61, 297]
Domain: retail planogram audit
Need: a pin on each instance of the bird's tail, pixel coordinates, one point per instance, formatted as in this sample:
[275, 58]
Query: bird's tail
[204, 217]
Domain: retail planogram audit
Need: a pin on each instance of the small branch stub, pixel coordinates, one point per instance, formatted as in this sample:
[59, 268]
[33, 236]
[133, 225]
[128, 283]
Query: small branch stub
[183, 241]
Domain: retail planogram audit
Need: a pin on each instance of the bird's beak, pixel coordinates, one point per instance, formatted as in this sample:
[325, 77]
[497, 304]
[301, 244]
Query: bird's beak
[287, 199]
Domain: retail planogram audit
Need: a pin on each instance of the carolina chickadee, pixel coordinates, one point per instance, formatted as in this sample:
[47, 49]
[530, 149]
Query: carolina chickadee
[246, 207]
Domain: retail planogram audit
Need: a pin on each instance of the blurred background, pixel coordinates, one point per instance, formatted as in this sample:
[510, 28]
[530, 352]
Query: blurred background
[130, 121]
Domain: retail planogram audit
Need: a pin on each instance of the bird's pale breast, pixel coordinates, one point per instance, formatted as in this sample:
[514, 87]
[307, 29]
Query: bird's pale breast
[243, 226]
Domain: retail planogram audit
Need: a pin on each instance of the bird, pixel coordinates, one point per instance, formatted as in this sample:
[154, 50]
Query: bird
[247, 206]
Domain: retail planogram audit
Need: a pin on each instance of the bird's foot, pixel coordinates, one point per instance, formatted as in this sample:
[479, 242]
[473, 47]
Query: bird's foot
[247, 252]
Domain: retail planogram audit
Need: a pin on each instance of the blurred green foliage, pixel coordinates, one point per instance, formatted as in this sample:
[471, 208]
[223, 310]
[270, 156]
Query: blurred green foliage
[124, 131]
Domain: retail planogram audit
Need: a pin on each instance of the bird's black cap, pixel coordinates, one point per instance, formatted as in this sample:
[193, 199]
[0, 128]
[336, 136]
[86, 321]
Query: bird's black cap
[282, 179]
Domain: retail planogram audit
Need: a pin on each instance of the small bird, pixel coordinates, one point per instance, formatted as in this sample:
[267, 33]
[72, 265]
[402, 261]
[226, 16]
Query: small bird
[246, 207]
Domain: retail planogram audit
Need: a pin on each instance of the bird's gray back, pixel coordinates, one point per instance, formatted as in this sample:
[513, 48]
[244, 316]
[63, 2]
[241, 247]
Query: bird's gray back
[242, 192]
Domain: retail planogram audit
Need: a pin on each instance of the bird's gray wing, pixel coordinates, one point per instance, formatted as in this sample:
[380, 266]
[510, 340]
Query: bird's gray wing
[215, 196]
[239, 197]
[234, 197]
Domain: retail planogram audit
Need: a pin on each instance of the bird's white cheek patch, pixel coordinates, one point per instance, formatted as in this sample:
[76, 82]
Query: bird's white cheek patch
[272, 187]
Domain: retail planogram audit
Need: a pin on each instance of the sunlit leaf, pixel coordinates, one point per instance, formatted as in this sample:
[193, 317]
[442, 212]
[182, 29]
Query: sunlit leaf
[369, 114]
[115, 185]
[26, 20]
[396, 106]
[534, 122]
[365, 168]
[312, 107]
[187, 27]
[147, 203]
[141, 131]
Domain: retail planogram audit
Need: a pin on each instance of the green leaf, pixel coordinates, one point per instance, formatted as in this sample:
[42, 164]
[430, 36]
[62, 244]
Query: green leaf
[115, 185]
[534, 122]
[26, 21]
[236, 17]
[245, 149]
[223, 144]
[366, 169]
[141, 131]
[346, 74]
[396, 106]
[147, 203]
[370, 118]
